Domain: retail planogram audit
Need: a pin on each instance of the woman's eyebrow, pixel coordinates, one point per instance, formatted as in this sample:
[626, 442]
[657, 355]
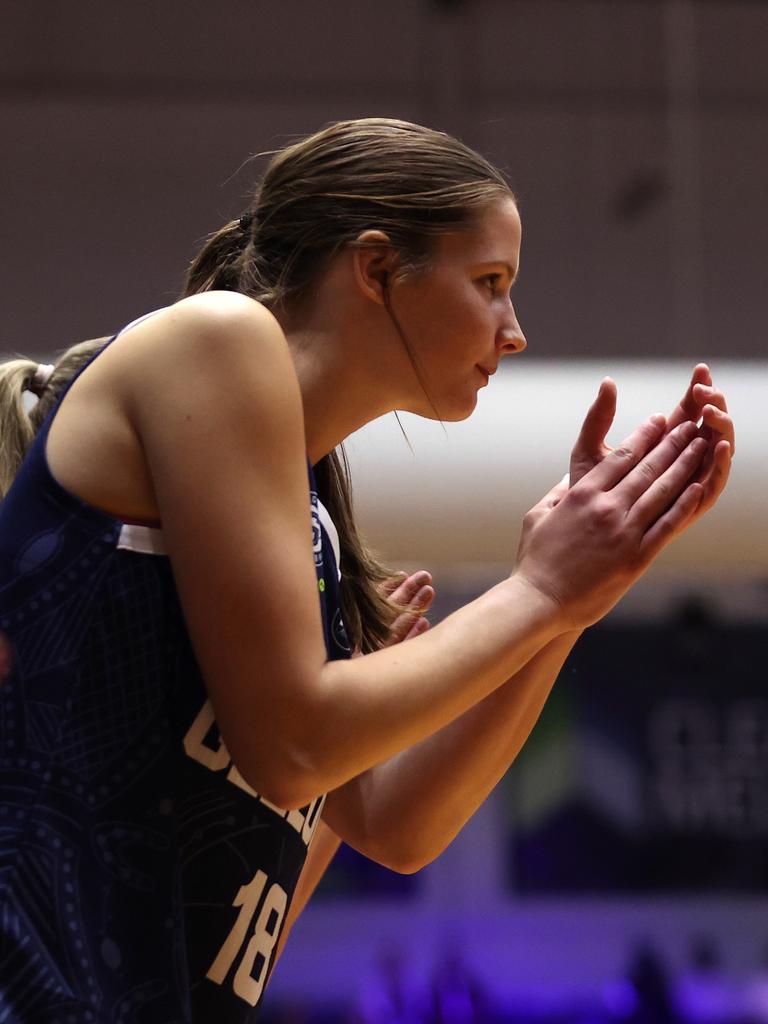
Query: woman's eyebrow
[513, 272]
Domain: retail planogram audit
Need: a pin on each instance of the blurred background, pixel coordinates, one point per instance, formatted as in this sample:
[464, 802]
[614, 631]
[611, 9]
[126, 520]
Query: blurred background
[620, 871]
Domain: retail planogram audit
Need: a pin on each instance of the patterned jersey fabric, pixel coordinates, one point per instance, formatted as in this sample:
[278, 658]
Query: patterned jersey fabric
[142, 881]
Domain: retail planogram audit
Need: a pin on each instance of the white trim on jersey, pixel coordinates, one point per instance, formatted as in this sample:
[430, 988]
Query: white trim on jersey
[333, 534]
[138, 320]
[147, 540]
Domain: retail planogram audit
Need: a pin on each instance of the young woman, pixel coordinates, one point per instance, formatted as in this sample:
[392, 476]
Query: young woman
[182, 583]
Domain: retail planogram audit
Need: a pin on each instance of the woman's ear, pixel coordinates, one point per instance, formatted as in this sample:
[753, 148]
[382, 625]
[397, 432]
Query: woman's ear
[373, 260]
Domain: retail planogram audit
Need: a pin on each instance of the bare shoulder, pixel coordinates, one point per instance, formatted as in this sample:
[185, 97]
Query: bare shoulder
[182, 359]
[219, 311]
[214, 329]
[205, 348]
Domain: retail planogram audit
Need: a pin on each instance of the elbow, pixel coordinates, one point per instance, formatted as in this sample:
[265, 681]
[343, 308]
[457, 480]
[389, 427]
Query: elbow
[282, 771]
[285, 797]
[405, 861]
[403, 854]
[284, 779]
[297, 759]
[281, 784]
[409, 866]
[279, 769]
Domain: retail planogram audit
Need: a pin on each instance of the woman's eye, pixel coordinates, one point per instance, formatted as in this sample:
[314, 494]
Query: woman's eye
[491, 281]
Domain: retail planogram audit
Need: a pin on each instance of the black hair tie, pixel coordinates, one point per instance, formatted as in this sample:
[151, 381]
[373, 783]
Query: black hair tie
[245, 222]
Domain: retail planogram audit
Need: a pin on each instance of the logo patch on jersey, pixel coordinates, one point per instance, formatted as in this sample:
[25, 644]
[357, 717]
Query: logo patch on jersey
[317, 536]
[339, 632]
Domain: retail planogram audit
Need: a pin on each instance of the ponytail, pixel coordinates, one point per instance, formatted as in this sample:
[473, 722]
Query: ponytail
[218, 265]
[19, 426]
[16, 430]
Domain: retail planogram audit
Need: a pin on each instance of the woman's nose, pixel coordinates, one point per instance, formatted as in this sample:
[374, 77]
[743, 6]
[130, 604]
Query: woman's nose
[511, 337]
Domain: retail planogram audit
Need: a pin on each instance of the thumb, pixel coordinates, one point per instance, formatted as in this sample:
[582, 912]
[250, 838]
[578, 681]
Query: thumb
[599, 418]
[590, 447]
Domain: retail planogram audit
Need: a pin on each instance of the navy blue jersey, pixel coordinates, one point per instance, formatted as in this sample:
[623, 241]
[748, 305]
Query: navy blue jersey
[141, 878]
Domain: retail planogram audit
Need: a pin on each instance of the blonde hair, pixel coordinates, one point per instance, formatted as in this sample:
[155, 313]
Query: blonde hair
[18, 426]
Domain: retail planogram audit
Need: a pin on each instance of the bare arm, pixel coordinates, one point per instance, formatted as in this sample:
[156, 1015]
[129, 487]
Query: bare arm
[230, 483]
[394, 793]
[404, 812]
[414, 593]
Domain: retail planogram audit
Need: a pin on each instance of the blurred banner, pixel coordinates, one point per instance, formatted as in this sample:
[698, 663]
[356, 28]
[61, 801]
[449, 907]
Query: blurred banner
[648, 772]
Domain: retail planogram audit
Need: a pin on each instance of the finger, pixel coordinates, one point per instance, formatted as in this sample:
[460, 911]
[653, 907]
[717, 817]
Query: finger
[689, 406]
[407, 590]
[590, 445]
[615, 466]
[714, 415]
[665, 491]
[403, 627]
[671, 523]
[423, 599]
[716, 399]
[718, 422]
[708, 394]
[656, 463]
[716, 426]
[600, 415]
[419, 603]
[717, 476]
[421, 625]
[387, 587]
[400, 628]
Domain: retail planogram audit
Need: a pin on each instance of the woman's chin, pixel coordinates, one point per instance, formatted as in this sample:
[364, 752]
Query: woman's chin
[468, 406]
[446, 409]
[458, 410]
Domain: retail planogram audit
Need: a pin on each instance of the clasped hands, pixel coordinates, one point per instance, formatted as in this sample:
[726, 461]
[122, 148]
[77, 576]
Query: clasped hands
[701, 402]
[672, 470]
[597, 530]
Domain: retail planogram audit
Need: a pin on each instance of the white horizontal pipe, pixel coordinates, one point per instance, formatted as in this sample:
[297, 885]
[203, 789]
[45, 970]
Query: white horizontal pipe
[460, 497]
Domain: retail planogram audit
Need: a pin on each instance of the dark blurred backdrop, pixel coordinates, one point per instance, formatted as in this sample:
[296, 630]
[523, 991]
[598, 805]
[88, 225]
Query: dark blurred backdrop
[619, 874]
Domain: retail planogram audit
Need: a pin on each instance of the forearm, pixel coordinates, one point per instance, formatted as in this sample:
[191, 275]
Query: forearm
[405, 811]
[371, 708]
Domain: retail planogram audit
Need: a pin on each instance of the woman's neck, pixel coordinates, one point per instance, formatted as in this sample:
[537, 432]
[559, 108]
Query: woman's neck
[344, 383]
